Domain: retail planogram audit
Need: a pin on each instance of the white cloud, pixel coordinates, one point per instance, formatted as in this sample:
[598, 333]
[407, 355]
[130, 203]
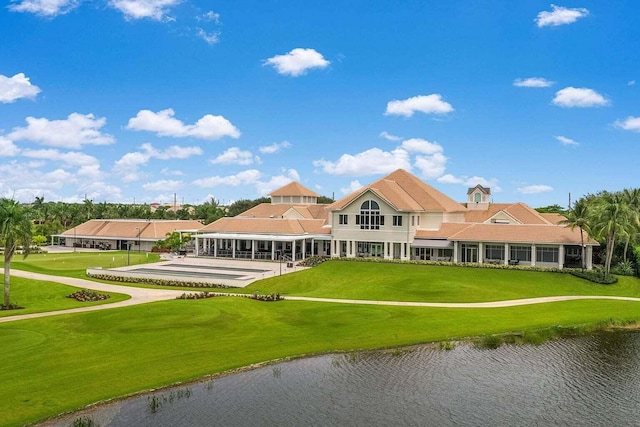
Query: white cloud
[235, 156]
[471, 181]
[170, 172]
[16, 87]
[172, 152]
[247, 177]
[419, 145]
[369, 162]
[8, 148]
[534, 189]
[579, 97]
[353, 186]
[389, 137]
[210, 38]
[164, 124]
[70, 158]
[630, 123]
[566, 141]
[210, 16]
[428, 104]
[48, 8]
[163, 185]
[431, 166]
[631, 83]
[297, 62]
[275, 147]
[560, 16]
[74, 132]
[140, 9]
[532, 82]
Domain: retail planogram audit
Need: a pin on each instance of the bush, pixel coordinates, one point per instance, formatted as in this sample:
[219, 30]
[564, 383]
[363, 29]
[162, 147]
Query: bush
[624, 268]
[313, 261]
[596, 276]
[87, 295]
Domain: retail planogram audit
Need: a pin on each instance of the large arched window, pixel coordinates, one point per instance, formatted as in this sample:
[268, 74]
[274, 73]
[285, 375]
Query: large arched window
[370, 218]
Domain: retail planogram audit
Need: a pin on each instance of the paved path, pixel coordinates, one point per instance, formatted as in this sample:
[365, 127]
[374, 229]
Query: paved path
[145, 295]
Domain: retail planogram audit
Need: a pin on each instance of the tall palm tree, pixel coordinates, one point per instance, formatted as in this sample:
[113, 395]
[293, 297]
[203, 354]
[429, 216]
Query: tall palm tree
[632, 198]
[578, 216]
[612, 219]
[15, 230]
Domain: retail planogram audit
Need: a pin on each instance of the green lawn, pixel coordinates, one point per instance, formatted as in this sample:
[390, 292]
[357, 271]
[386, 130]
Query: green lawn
[74, 264]
[61, 363]
[39, 296]
[410, 282]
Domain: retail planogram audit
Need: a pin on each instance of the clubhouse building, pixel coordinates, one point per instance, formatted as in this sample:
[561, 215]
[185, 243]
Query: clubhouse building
[396, 217]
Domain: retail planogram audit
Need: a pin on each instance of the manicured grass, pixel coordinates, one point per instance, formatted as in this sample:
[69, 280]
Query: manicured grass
[409, 282]
[40, 296]
[61, 363]
[74, 264]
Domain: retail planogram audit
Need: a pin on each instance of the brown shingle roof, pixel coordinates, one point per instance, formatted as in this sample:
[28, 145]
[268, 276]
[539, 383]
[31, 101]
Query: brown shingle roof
[521, 212]
[405, 192]
[266, 226]
[520, 233]
[267, 210]
[294, 189]
[553, 218]
[128, 229]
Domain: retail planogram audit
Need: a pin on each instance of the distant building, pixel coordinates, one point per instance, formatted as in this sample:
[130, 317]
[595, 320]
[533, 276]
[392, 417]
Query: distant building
[122, 234]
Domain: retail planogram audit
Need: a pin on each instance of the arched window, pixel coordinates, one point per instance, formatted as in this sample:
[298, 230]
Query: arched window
[477, 197]
[370, 218]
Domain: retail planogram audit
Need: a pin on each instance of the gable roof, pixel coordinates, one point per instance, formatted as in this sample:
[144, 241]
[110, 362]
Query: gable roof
[404, 192]
[485, 190]
[294, 189]
[521, 212]
[553, 218]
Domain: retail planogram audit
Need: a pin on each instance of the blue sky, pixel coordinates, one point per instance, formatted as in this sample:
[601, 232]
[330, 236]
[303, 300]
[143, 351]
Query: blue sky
[138, 100]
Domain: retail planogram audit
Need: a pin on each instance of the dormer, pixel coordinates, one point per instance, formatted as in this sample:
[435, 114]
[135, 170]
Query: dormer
[478, 198]
[294, 193]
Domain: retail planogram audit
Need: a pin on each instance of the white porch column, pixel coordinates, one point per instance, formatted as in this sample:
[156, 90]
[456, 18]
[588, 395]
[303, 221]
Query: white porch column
[253, 249]
[233, 248]
[304, 248]
[480, 252]
[561, 257]
[455, 251]
[313, 242]
[506, 254]
[588, 253]
[533, 255]
[293, 250]
[273, 250]
[197, 243]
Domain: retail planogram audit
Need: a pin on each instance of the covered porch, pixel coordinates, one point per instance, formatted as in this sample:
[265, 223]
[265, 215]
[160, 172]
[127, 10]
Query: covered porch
[261, 246]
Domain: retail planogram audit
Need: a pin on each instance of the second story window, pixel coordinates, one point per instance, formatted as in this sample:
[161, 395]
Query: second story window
[397, 220]
[343, 219]
[369, 218]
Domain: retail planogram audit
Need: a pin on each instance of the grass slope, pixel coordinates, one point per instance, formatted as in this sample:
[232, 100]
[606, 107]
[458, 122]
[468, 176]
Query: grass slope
[429, 283]
[40, 296]
[61, 363]
[74, 264]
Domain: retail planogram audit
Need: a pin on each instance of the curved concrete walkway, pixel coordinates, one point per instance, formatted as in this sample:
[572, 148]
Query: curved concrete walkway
[145, 295]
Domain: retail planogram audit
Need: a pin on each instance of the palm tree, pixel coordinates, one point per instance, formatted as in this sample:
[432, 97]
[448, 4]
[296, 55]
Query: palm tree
[612, 218]
[15, 230]
[578, 216]
[632, 198]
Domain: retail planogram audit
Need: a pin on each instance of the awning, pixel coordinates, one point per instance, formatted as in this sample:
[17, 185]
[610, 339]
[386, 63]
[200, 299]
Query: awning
[432, 243]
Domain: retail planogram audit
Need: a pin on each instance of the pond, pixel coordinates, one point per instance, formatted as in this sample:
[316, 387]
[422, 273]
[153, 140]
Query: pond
[586, 381]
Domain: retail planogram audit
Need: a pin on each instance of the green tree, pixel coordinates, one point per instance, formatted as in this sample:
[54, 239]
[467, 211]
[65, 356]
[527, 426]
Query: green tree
[632, 198]
[578, 216]
[174, 241]
[611, 220]
[15, 230]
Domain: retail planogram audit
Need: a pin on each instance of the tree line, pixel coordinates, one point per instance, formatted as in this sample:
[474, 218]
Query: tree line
[613, 219]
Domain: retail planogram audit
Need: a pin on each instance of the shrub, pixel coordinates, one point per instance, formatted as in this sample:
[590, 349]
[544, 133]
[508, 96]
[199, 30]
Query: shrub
[596, 276]
[313, 261]
[624, 268]
[87, 295]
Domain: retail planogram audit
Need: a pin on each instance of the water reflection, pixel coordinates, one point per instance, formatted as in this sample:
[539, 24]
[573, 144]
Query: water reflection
[582, 381]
